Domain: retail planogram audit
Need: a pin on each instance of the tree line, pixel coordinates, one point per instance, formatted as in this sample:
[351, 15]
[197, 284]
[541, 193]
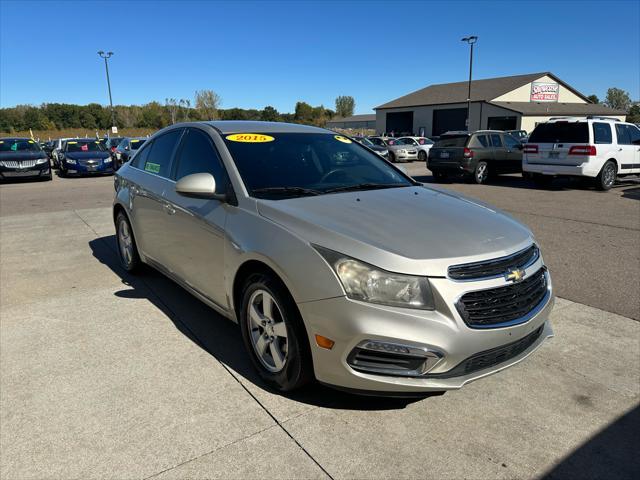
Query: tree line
[155, 115]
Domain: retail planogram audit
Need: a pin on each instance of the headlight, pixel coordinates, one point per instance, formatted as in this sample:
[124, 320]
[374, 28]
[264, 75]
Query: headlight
[40, 161]
[107, 160]
[367, 283]
[70, 161]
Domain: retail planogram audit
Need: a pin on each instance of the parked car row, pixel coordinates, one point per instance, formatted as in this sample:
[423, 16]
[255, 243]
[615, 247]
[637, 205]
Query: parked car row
[404, 149]
[598, 148]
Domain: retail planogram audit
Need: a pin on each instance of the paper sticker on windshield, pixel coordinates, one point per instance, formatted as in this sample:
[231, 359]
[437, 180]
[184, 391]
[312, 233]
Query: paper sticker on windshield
[342, 139]
[135, 141]
[71, 143]
[152, 167]
[31, 141]
[249, 138]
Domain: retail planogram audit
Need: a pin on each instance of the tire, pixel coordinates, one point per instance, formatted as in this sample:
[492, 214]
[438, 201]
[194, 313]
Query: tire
[126, 242]
[392, 157]
[480, 173]
[285, 363]
[422, 156]
[542, 180]
[607, 176]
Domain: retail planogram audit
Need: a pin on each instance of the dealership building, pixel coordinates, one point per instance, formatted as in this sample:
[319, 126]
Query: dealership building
[506, 103]
[354, 122]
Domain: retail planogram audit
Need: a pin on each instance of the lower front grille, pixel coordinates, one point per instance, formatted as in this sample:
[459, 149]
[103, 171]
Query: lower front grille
[490, 358]
[502, 306]
[385, 363]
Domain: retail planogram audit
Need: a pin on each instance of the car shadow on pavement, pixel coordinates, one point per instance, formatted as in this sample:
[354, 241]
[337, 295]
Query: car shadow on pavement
[611, 453]
[219, 336]
[517, 181]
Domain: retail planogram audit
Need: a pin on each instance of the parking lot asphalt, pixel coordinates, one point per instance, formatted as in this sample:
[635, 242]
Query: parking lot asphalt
[107, 375]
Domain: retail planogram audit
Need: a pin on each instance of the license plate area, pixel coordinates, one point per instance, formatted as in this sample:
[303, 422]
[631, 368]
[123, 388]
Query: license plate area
[444, 154]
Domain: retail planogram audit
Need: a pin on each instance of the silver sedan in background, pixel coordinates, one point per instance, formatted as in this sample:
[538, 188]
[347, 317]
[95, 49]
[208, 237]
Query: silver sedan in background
[422, 144]
[398, 151]
[336, 265]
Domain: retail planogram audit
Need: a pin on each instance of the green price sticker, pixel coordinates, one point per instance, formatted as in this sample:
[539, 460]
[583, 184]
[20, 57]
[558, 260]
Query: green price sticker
[152, 167]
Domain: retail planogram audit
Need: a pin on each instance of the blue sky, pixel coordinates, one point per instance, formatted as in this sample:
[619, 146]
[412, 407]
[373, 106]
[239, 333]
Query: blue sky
[276, 53]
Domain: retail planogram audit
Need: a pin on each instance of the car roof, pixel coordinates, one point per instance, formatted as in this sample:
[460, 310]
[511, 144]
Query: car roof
[15, 139]
[250, 126]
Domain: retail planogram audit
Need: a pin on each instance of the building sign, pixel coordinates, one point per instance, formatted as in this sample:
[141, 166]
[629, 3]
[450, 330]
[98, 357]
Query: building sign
[544, 92]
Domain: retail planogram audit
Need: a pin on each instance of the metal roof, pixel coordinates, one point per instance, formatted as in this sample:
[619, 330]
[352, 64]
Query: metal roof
[481, 90]
[251, 126]
[554, 108]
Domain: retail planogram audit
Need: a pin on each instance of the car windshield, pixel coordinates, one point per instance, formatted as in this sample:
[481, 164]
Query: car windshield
[84, 146]
[367, 142]
[18, 145]
[561, 132]
[452, 141]
[136, 143]
[281, 165]
[425, 141]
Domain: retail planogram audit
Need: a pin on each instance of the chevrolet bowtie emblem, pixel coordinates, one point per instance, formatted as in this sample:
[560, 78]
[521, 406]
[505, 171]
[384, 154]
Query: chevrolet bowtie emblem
[515, 276]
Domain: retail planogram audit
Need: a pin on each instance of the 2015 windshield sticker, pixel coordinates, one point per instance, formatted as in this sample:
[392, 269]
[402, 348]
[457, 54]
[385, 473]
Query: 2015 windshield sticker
[249, 138]
[152, 167]
[72, 143]
[342, 139]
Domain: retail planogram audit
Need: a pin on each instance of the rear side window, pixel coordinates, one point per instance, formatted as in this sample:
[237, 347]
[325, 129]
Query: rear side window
[158, 161]
[141, 157]
[561, 132]
[198, 155]
[458, 141]
[602, 133]
[496, 140]
[479, 141]
[624, 137]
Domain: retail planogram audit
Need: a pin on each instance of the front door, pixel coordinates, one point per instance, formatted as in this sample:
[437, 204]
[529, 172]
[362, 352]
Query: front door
[499, 156]
[628, 154]
[513, 154]
[195, 232]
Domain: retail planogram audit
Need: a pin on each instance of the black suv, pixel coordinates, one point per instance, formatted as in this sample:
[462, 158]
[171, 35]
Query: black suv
[475, 155]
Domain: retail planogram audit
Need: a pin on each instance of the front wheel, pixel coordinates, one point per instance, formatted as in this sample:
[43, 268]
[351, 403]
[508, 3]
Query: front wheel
[127, 248]
[607, 176]
[274, 335]
[422, 156]
[392, 157]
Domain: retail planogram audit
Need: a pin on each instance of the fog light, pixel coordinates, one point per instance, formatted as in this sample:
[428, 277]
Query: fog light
[324, 342]
[386, 347]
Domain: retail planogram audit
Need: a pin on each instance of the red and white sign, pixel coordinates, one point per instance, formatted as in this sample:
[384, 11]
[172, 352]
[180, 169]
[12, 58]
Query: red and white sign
[544, 92]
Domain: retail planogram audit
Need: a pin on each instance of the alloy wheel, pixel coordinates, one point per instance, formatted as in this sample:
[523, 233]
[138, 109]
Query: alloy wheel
[267, 330]
[125, 242]
[609, 175]
[481, 172]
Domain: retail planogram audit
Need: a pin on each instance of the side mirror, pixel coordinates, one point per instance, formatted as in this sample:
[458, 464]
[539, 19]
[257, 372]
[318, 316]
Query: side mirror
[200, 185]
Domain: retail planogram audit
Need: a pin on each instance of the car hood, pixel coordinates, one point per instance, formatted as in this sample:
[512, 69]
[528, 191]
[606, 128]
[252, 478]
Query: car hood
[22, 155]
[86, 155]
[415, 230]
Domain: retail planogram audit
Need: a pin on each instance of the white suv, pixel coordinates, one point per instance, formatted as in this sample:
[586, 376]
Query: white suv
[602, 148]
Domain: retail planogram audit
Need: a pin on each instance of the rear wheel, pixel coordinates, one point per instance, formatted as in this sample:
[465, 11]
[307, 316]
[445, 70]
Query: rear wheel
[127, 248]
[274, 335]
[607, 176]
[481, 172]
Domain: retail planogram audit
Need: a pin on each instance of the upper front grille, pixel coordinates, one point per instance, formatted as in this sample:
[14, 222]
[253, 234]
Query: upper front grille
[492, 357]
[20, 163]
[495, 267]
[496, 307]
[92, 162]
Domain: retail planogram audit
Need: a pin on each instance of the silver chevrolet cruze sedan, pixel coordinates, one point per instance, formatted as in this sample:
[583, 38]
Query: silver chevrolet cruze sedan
[336, 265]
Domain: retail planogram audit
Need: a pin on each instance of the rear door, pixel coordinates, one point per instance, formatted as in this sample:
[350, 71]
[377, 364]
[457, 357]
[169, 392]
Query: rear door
[634, 135]
[151, 180]
[627, 151]
[499, 152]
[195, 226]
[513, 160]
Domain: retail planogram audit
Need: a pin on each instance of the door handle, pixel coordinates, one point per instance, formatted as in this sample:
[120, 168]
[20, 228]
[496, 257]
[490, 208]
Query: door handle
[169, 209]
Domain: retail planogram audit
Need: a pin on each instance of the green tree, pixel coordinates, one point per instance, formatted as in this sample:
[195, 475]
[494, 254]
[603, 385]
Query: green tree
[345, 106]
[270, 114]
[303, 112]
[634, 113]
[618, 99]
[593, 99]
[207, 103]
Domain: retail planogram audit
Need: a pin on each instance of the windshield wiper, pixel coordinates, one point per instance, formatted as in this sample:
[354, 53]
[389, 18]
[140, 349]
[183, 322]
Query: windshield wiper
[365, 186]
[287, 190]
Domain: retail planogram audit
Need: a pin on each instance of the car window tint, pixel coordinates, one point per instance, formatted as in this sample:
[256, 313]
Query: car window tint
[483, 140]
[623, 134]
[198, 155]
[496, 141]
[141, 157]
[511, 141]
[602, 133]
[159, 159]
[560, 132]
[634, 133]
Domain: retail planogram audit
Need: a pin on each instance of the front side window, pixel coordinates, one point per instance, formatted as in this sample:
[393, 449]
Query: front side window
[198, 155]
[602, 132]
[496, 141]
[136, 143]
[634, 134]
[623, 134]
[282, 165]
[158, 160]
[511, 141]
[140, 157]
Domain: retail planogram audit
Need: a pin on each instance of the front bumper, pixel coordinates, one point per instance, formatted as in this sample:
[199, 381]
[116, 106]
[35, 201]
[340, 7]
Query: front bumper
[349, 323]
[38, 171]
[78, 169]
[406, 156]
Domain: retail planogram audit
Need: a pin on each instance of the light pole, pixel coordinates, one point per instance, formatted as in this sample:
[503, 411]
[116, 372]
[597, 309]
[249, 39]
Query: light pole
[470, 40]
[106, 56]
